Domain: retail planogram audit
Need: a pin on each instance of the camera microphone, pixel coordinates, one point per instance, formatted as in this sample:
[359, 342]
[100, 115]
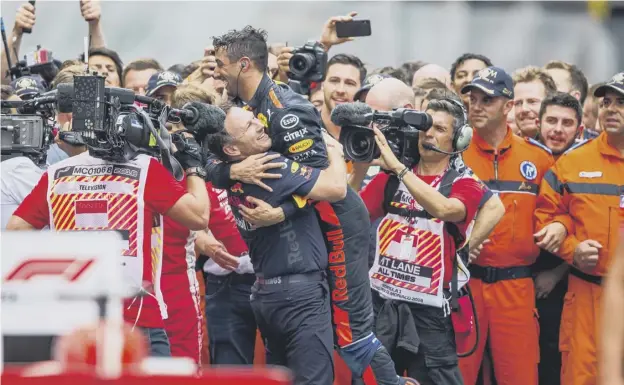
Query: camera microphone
[352, 114]
[202, 119]
[430, 147]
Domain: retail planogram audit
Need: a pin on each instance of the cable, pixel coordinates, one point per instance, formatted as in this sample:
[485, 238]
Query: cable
[476, 323]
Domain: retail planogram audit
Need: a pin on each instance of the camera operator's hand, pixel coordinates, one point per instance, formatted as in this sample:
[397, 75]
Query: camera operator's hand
[90, 10]
[389, 161]
[282, 62]
[253, 169]
[188, 152]
[329, 36]
[25, 18]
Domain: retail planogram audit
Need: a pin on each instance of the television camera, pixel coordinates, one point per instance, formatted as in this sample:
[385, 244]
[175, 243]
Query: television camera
[105, 119]
[400, 127]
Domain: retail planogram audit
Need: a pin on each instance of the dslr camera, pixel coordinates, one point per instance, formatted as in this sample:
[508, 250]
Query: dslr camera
[400, 127]
[308, 64]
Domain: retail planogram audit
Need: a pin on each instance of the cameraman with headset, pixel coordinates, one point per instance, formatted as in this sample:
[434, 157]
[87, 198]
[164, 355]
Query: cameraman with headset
[85, 192]
[427, 211]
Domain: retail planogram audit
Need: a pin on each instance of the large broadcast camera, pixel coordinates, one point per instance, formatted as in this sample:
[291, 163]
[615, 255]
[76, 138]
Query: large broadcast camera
[308, 64]
[400, 127]
[29, 132]
[107, 120]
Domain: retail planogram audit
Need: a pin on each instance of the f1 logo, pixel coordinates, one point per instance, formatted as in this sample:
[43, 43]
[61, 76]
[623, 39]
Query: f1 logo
[69, 269]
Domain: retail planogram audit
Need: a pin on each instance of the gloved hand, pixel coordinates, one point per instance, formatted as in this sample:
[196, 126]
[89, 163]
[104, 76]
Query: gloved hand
[188, 152]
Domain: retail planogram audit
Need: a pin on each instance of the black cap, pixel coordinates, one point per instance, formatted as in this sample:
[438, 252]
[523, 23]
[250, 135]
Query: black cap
[369, 82]
[494, 81]
[161, 79]
[616, 84]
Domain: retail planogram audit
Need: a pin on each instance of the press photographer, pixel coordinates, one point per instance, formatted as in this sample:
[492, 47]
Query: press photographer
[427, 203]
[119, 185]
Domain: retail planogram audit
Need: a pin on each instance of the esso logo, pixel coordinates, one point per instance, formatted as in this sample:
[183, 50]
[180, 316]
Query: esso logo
[289, 121]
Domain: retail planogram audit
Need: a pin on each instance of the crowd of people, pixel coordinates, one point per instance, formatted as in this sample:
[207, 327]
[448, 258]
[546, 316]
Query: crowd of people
[476, 257]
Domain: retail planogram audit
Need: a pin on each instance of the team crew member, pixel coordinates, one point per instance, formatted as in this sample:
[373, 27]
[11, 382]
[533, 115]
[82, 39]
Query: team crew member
[294, 127]
[501, 276]
[416, 249]
[88, 193]
[559, 125]
[583, 191]
[290, 298]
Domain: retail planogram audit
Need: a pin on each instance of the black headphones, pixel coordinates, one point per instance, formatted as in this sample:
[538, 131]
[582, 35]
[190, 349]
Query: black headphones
[243, 64]
[463, 135]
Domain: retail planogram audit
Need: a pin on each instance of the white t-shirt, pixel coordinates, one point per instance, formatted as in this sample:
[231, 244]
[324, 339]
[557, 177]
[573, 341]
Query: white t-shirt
[19, 177]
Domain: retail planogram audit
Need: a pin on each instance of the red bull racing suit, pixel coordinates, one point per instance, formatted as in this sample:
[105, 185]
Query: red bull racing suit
[294, 125]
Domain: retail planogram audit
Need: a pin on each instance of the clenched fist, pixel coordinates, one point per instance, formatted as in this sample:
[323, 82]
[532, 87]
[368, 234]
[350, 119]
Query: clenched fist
[90, 10]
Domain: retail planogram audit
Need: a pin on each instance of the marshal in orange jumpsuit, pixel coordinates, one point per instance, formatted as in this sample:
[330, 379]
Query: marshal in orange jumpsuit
[585, 192]
[501, 281]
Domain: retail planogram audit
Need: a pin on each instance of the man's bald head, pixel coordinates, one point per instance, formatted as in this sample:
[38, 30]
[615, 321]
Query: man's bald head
[432, 71]
[390, 93]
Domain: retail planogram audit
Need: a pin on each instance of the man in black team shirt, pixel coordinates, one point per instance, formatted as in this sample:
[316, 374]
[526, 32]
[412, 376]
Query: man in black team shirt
[293, 124]
[290, 298]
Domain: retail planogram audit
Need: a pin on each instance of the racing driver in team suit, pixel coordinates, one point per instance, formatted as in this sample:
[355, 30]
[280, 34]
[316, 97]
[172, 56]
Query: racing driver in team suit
[293, 124]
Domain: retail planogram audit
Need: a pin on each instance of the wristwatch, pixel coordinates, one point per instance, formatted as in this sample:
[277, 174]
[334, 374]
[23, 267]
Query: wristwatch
[196, 171]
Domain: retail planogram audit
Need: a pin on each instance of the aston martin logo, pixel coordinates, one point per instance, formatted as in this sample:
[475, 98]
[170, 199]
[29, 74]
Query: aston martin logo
[487, 74]
[26, 83]
[618, 78]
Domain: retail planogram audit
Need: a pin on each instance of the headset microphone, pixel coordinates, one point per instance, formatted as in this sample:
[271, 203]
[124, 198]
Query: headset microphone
[428, 146]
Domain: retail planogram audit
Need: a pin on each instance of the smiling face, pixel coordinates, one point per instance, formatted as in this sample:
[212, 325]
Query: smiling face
[341, 83]
[227, 71]
[248, 134]
[559, 127]
[527, 102]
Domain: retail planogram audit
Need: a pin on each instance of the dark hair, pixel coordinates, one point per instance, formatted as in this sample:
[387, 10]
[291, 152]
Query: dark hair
[451, 108]
[564, 100]
[409, 69]
[249, 42]
[577, 78]
[343, 58]
[216, 141]
[396, 73]
[140, 65]
[178, 69]
[109, 53]
[467, 56]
